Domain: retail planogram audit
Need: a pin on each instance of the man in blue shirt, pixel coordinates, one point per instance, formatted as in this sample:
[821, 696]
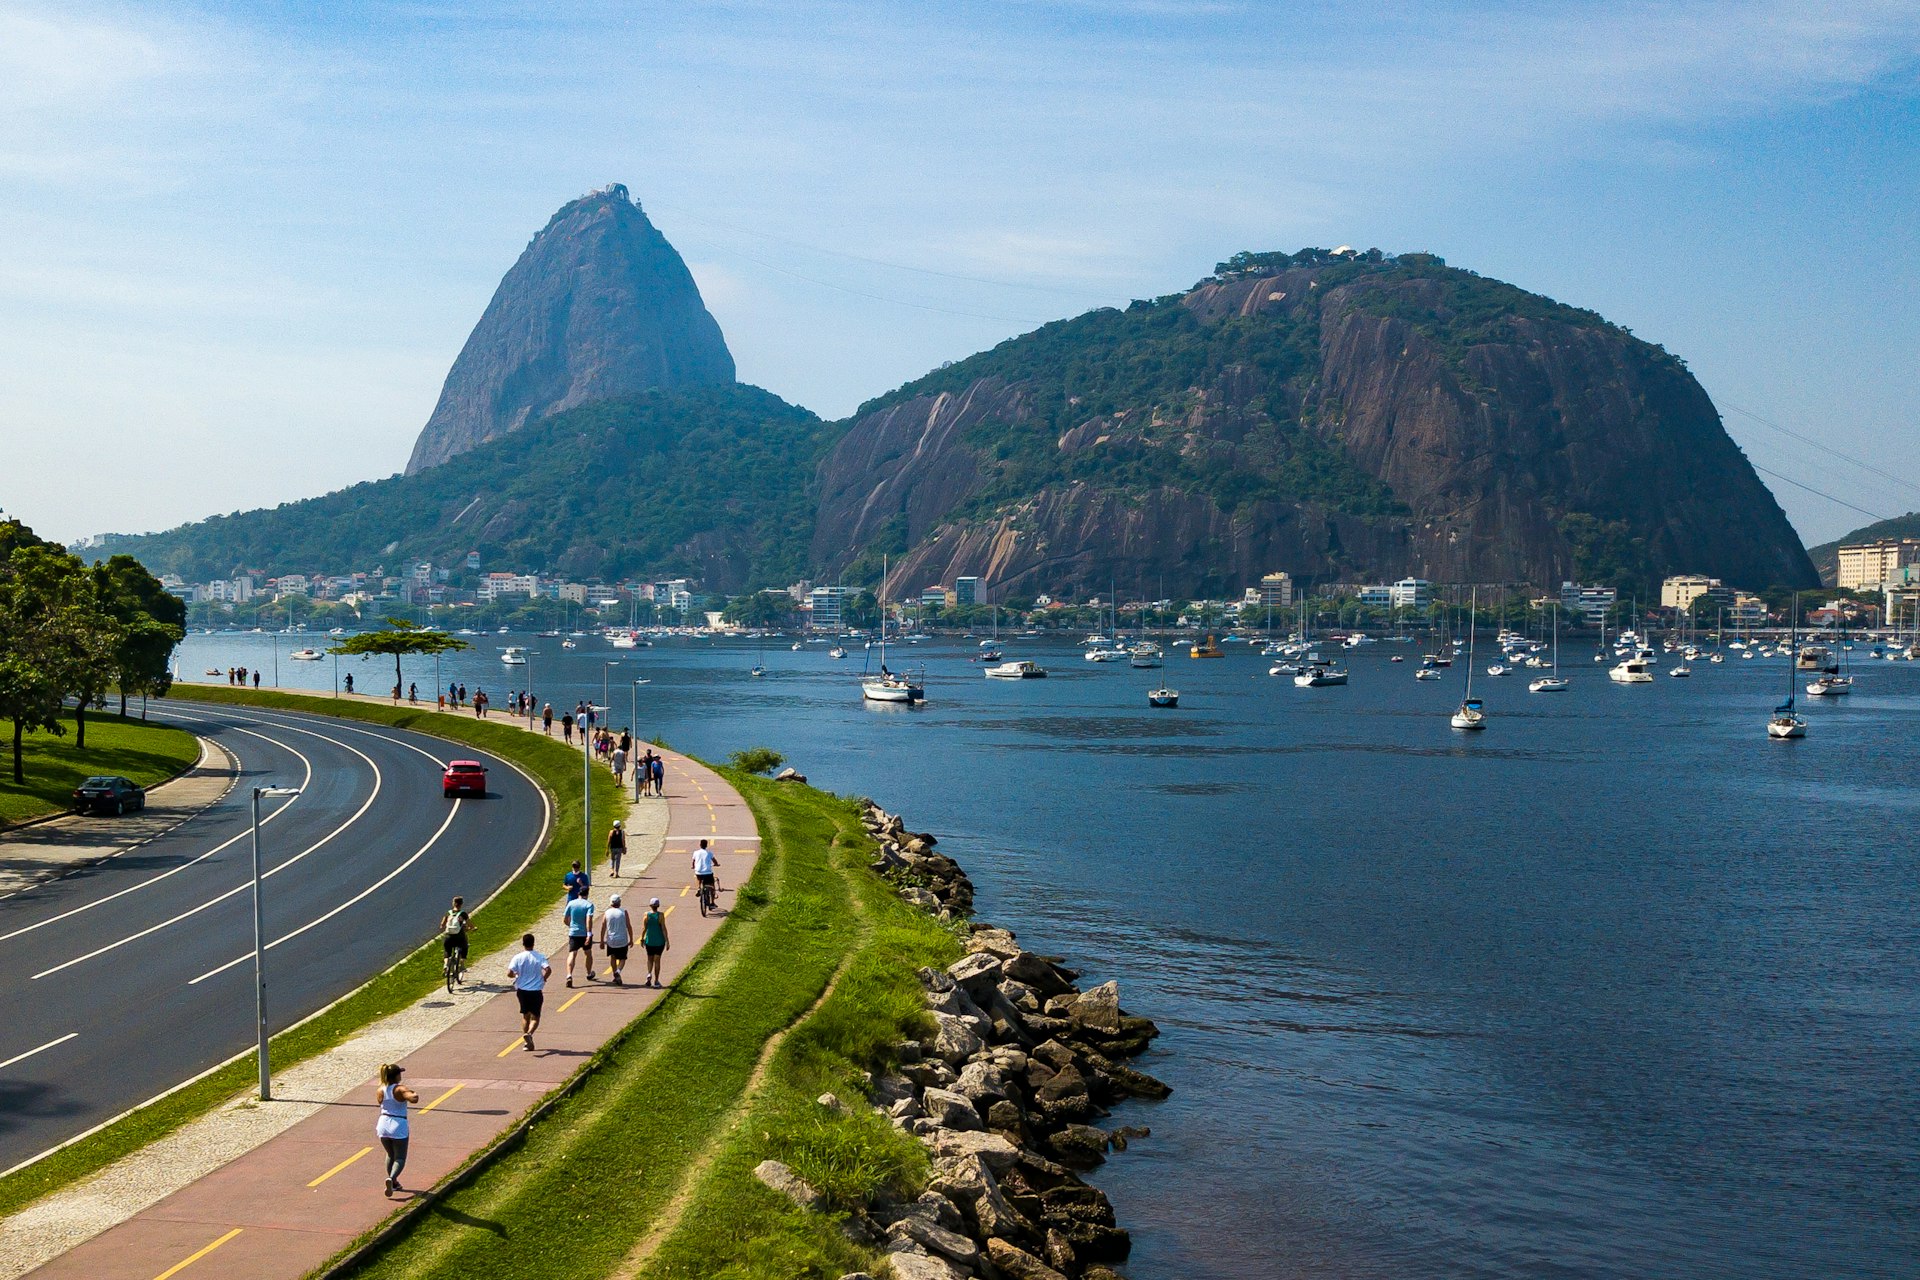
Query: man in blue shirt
[578, 882]
[579, 917]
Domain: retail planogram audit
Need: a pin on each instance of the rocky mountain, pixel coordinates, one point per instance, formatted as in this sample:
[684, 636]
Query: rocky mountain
[1826, 556]
[707, 482]
[599, 306]
[1344, 416]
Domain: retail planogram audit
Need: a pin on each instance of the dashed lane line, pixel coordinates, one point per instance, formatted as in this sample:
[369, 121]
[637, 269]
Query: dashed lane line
[192, 1258]
[51, 1044]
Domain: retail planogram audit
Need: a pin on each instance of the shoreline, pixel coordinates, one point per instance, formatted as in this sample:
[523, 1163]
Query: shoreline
[1004, 1095]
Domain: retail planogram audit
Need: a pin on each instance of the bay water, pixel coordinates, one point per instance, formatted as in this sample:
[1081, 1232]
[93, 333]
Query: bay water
[1617, 988]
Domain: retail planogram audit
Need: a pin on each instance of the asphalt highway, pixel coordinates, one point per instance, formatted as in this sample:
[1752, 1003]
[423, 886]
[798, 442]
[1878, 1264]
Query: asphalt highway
[129, 977]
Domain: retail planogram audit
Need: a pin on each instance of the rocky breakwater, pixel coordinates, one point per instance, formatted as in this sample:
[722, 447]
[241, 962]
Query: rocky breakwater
[1007, 1093]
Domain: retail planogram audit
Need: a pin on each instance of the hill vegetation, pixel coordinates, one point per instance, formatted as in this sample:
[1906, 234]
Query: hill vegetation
[711, 482]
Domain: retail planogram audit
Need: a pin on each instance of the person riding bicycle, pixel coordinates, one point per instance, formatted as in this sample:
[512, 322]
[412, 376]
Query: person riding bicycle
[704, 866]
[453, 931]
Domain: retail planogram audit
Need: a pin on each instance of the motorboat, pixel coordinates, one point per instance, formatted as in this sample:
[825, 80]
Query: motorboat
[306, 655]
[1397, 658]
[1830, 687]
[1471, 715]
[514, 656]
[1427, 673]
[1320, 677]
[987, 655]
[1104, 654]
[1018, 669]
[1285, 669]
[1498, 669]
[1206, 649]
[1635, 670]
[1163, 697]
[620, 639]
[1144, 656]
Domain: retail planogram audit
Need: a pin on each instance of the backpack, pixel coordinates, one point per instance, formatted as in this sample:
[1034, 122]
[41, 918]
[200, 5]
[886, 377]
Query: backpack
[455, 924]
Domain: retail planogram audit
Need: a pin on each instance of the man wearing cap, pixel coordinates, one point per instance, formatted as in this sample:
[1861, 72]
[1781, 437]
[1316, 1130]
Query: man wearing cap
[616, 848]
[653, 936]
[616, 935]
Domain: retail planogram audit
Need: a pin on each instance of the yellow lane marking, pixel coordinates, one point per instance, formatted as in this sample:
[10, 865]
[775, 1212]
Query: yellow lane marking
[666, 913]
[337, 1168]
[684, 889]
[569, 1004]
[178, 1267]
[519, 1042]
[442, 1098]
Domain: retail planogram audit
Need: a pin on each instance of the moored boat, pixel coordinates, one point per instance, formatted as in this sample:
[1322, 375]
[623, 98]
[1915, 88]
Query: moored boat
[1018, 669]
[1163, 697]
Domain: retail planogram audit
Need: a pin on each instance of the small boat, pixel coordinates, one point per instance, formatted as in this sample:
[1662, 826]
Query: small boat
[1830, 687]
[305, 655]
[987, 655]
[1549, 684]
[1285, 669]
[1144, 656]
[1471, 715]
[1104, 654]
[1397, 658]
[568, 644]
[338, 631]
[1635, 670]
[836, 652]
[1206, 649]
[1427, 673]
[795, 646]
[214, 671]
[1498, 669]
[1680, 672]
[1163, 697]
[1019, 669]
[757, 671]
[1320, 677]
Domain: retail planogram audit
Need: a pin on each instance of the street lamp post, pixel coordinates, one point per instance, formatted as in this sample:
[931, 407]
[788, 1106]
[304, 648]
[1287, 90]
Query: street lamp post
[633, 717]
[586, 800]
[531, 655]
[260, 944]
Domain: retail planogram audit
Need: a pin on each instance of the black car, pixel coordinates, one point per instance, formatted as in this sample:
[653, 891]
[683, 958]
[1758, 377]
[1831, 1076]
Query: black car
[108, 795]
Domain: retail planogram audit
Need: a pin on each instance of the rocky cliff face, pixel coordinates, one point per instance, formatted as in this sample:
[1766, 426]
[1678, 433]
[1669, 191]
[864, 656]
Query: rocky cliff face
[1339, 419]
[599, 306]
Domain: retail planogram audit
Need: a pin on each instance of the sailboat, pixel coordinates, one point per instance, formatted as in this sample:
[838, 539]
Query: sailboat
[888, 687]
[1472, 713]
[1554, 683]
[760, 656]
[1785, 724]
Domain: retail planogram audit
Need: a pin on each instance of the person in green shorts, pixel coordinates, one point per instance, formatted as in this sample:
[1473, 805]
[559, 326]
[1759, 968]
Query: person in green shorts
[653, 936]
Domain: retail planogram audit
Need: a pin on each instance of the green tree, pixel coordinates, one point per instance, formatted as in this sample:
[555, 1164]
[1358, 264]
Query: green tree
[152, 621]
[56, 640]
[401, 639]
[761, 609]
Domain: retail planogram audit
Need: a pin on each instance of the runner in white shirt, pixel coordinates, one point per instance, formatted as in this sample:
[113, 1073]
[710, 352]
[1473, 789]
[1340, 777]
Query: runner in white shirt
[529, 971]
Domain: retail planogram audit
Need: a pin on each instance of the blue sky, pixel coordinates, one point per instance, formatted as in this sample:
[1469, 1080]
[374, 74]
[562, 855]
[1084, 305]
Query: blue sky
[243, 243]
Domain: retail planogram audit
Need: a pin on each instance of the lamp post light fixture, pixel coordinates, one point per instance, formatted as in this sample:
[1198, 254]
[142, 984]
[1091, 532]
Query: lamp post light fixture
[260, 943]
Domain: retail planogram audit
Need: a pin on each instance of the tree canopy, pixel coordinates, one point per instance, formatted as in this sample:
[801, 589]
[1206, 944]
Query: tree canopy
[401, 639]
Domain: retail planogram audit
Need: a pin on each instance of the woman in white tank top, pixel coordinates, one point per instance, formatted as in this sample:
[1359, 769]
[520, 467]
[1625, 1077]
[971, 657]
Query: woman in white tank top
[391, 1127]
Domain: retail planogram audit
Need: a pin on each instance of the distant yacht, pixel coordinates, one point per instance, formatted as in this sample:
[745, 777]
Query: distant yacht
[514, 656]
[1019, 669]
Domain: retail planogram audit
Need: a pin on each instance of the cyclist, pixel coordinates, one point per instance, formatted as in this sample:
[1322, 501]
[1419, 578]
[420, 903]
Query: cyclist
[704, 866]
[453, 933]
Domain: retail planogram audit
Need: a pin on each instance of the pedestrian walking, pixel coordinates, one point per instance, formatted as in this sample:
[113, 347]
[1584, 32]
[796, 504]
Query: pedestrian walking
[256, 679]
[626, 741]
[618, 760]
[413, 692]
[659, 776]
[577, 881]
[229, 675]
[616, 936]
[566, 727]
[349, 682]
[391, 1127]
[529, 971]
[616, 848]
[480, 704]
[546, 719]
[579, 919]
[653, 936]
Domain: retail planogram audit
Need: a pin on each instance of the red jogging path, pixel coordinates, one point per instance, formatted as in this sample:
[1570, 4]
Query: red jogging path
[288, 1205]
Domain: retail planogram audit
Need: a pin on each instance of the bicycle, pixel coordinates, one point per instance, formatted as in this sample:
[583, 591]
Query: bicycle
[708, 895]
[455, 967]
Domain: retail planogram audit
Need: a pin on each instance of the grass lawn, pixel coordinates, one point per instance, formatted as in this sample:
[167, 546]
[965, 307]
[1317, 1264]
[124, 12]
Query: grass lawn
[659, 1142]
[147, 753]
[518, 907]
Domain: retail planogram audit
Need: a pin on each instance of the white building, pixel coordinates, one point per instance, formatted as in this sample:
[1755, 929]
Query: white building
[1591, 603]
[825, 605]
[1681, 590]
[1276, 590]
[1412, 593]
[1869, 565]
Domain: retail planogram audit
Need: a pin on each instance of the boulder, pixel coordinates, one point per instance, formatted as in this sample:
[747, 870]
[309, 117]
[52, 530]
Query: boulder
[981, 1082]
[1037, 973]
[994, 1151]
[914, 1264]
[955, 1041]
[790, 774]
[1080, 1145]
[994, 942]
[978, 974]
[1017, 1264]
[919, 898]
[950, 1110]
[1098, 1008]
[923, 1230]
[1059, 1250]
[789, 1184]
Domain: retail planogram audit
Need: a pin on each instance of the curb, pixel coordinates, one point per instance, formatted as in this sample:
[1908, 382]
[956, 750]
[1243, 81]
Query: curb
[7, 828]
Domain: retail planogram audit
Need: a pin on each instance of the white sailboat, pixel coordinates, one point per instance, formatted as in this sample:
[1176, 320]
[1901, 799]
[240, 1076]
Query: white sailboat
[1784, 723]
[1554, 683]
[1472, 713]
[888, 687]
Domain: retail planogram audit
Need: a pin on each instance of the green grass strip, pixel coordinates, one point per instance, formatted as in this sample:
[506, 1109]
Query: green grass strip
[518, 907]
[146, 753]
[596, 1174]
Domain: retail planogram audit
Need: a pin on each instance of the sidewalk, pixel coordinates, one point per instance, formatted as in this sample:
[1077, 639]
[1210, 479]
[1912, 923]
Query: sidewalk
[51, 847]
[282, 1207]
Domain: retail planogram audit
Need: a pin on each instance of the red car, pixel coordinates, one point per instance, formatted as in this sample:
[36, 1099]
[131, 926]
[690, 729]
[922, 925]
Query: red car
[464, 778]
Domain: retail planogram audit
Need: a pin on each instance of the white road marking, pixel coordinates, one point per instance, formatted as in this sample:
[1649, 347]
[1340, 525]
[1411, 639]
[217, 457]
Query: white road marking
[246, 885]
[320, 920]
[101, 902]
[22, 1057]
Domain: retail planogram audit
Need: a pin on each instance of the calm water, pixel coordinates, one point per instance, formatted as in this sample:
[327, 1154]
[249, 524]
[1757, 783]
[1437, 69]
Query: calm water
[1615, 989]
